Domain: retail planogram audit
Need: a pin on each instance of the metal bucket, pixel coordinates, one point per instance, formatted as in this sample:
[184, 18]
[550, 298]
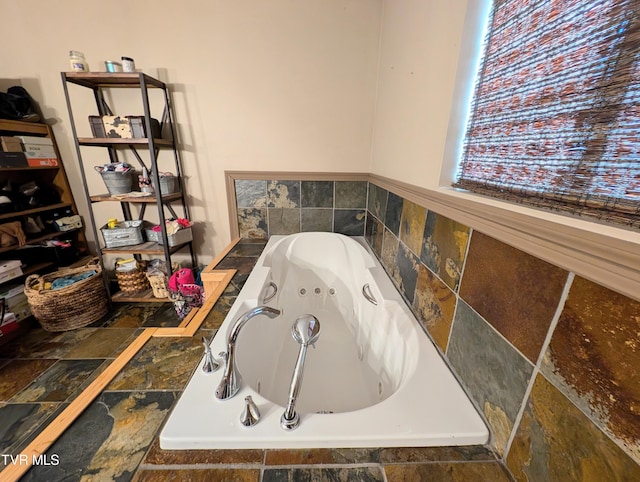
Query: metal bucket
[118, 182]
[168, 184]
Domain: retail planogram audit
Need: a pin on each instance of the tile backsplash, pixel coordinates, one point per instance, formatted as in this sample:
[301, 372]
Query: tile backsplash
[551, 359]
[529, 341]
[271, 207]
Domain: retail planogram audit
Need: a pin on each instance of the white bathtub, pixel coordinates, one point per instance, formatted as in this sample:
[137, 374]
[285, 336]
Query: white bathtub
[374, 378]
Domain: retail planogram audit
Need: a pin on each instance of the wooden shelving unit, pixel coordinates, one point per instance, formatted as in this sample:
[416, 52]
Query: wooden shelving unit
[54, 176]
[100, 84]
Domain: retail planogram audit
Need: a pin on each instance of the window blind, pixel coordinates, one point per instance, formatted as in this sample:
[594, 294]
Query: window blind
[555, 118]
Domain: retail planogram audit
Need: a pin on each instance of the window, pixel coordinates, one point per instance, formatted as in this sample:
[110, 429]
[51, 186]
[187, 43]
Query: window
[555, 119]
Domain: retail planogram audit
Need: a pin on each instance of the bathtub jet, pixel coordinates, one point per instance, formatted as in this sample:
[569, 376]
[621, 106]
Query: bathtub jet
[373, 369]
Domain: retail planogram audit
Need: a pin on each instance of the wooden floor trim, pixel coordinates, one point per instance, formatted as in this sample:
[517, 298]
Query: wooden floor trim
[196, 317]
[211, 266]
[217, 282]
[51, 432]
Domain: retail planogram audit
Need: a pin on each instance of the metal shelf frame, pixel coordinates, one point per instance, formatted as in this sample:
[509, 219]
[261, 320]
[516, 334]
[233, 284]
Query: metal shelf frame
[99, 83]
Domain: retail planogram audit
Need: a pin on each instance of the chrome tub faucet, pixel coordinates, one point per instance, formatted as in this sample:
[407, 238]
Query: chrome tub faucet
[230, 385]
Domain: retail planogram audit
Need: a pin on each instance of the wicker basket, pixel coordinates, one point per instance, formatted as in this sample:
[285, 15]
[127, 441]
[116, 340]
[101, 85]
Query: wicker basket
[71, 307]
[134, 280]
[158, 282]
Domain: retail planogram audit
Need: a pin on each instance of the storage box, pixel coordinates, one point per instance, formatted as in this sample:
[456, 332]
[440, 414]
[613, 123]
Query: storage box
[8, 324]
[97, 127]
[39, 150]
[180, 237]
[13, 159]
[68, 223]
[38, 162]
[16, 301]
[126, 233]
[10, 269]
[10, 144]
[138, 128]
[124, 127]
[45, 141]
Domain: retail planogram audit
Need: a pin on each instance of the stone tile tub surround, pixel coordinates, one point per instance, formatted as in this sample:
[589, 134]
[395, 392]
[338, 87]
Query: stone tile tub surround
[524, 337]
[523, 312]
[268, 207]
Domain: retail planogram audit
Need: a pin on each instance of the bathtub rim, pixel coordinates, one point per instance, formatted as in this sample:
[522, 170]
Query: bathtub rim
[312, 432]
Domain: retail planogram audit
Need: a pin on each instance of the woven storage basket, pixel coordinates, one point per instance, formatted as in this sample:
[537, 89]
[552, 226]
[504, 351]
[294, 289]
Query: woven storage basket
[134, 280]
[73, 306]
[158, 282]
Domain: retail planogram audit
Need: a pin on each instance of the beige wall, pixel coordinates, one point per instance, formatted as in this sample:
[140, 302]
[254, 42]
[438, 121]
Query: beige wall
[277, 85]
[419, 50]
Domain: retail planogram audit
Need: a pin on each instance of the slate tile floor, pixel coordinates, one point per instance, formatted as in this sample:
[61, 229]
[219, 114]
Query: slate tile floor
[116, 437]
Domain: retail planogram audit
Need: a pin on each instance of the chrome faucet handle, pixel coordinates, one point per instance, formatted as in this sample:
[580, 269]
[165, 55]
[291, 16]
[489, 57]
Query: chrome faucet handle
[210, 363]
[230, 383]
[250, 415]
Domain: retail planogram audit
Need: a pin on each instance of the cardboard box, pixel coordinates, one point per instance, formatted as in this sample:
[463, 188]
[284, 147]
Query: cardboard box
[40, 155]
[37, 162]
[8, 324]
[13, 159]
[39, 150]
[10, 269]
[45, 141]
[10, 291]
[16, 301]
[68, 223]
[10, 144]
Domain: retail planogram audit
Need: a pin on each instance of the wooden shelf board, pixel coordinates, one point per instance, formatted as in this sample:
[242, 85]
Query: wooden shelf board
[39, 239]
[51, 207]
[34, 268]
[23, 127]
[148, 199]
[94, 80]
[118, 141]
[28, 168]
[148, 247]
[142, 297]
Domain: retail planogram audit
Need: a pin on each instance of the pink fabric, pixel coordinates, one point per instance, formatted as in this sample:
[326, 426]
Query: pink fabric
[181, 277]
